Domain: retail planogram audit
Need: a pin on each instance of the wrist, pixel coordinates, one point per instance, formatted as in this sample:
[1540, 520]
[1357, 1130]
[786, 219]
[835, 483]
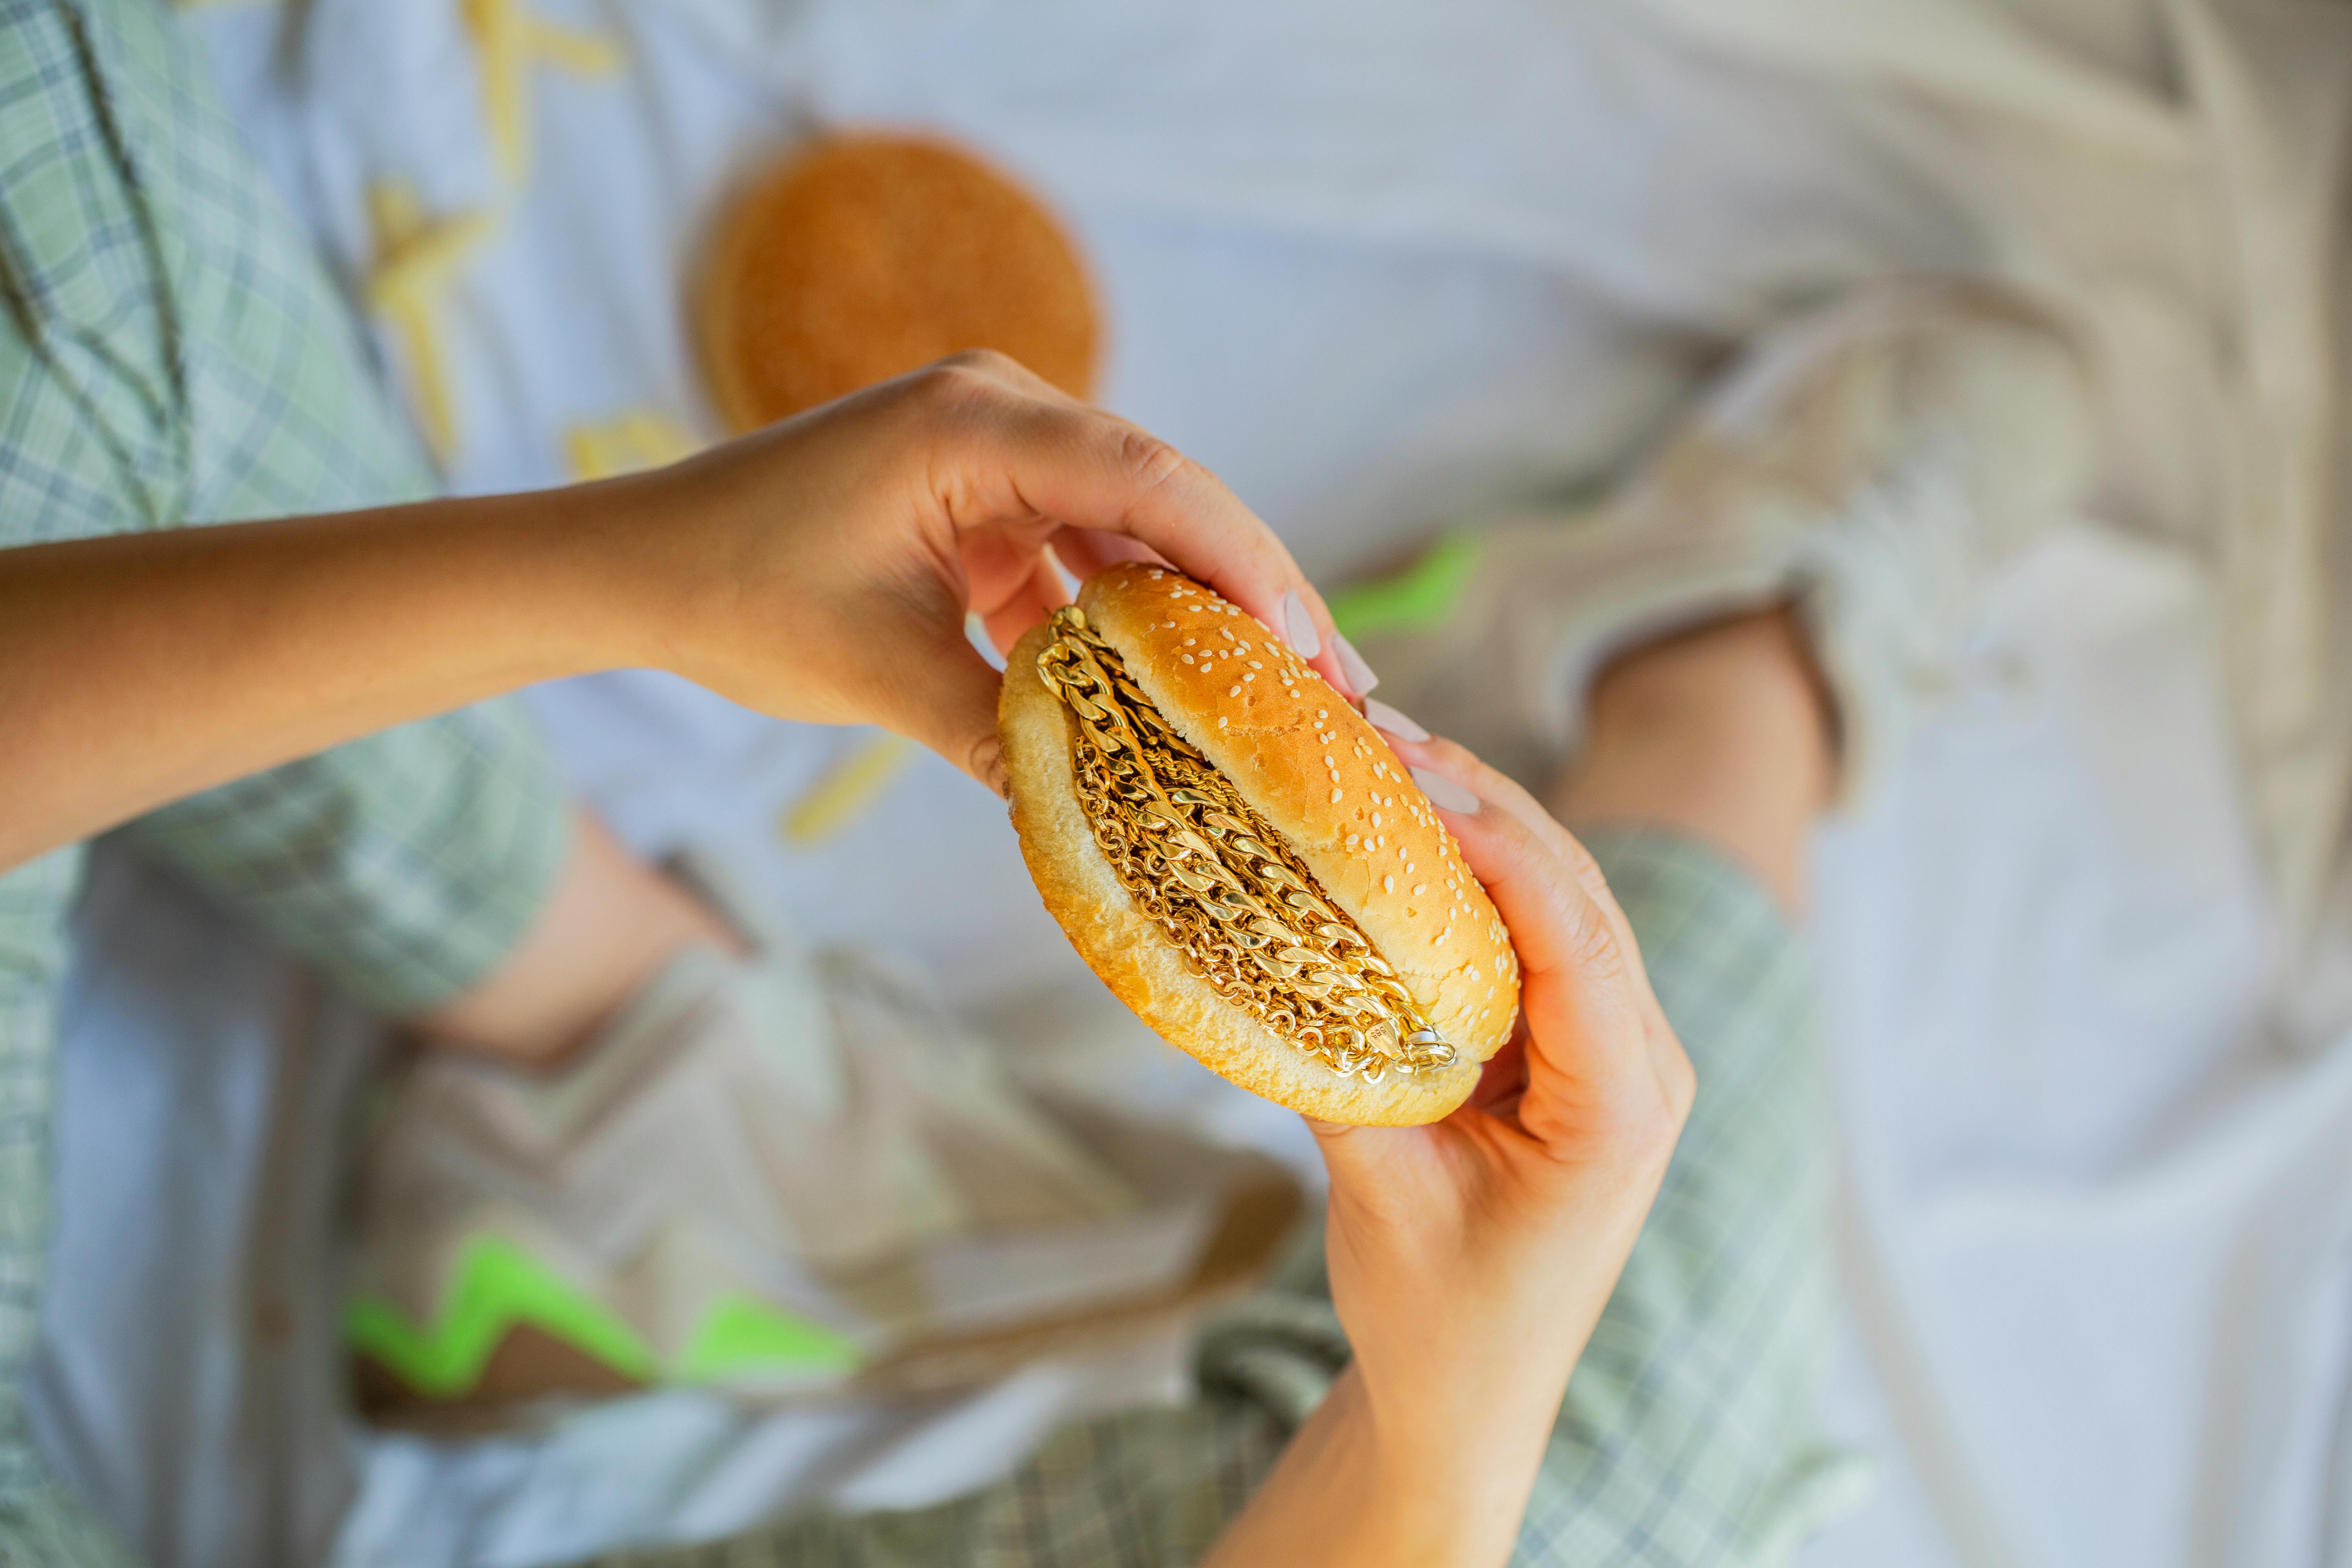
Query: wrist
[1369, 1489]
[607, 563]
[1444, 1458]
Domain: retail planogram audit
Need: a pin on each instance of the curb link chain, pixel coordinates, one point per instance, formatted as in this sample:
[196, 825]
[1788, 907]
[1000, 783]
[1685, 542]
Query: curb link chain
[1246, 913]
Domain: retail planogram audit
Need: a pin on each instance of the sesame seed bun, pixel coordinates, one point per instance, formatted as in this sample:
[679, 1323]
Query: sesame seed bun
[1321, 778]
[861, 257]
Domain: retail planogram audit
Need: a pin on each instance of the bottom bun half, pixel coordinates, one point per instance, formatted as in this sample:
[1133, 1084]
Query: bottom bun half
[1136, 958]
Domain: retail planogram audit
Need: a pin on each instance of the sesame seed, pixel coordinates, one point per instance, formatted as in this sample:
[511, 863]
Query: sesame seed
[1172, 626]
[1376, 818]
[1352, 840]
[1387, 884]
[1221, 724]
[1227, 633]
[1253, 664]
[1190, 641]
[1187, 658]
[1335, 797]
[1236, 691]
[1250, 675]
[1322, 712]
[1418, 888]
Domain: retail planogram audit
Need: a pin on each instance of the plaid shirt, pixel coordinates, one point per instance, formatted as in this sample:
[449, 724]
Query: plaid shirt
[172, 354]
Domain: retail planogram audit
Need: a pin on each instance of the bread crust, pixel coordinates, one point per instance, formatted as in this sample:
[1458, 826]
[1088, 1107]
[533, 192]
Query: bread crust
[863, 256]
[1290, 743]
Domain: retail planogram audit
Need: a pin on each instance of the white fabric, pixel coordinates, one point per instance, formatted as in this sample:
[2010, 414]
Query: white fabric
[1383, 265]
[811, 1133]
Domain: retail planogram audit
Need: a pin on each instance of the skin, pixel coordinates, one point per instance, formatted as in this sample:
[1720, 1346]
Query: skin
[822, 570]
[1509, 1222]
[1725, 732]
[819, 570]
[611, 923]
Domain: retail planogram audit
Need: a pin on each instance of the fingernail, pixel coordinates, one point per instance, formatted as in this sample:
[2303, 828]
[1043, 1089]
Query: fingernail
[1443, 792]
[1351, 665]
[1387, 717]
[1299, 627]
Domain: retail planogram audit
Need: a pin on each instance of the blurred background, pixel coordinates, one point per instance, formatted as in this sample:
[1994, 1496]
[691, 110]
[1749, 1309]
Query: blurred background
[1391, 268]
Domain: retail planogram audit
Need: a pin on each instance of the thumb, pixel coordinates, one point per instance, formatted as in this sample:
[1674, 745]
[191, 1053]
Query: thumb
[1354, 1157]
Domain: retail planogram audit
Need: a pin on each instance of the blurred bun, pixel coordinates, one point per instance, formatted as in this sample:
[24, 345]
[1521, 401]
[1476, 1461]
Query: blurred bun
[860, 257]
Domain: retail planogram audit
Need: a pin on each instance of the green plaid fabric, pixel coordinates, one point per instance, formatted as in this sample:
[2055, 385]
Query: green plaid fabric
[171, 354]
[1690, 1431]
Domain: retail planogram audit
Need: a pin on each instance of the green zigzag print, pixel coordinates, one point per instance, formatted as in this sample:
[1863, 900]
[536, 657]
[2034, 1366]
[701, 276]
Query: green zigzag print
[498, 1285]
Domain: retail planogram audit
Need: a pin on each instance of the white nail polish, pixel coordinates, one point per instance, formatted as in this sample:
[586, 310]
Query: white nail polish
[1444, 792]
[1351, 665]
[1299, 627]
[1387, 717]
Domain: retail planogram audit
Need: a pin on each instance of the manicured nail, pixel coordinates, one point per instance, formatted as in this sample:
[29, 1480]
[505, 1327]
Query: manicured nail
[1443, 792]
[1387, 717]
[1299, 627]
[1351, 665]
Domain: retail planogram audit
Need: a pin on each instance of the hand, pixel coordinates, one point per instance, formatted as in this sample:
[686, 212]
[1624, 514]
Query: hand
[820, 569]
[830, 560]
[1470, 1259]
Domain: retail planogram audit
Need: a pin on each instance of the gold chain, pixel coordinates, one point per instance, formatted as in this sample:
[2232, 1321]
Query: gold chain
[1247, 914]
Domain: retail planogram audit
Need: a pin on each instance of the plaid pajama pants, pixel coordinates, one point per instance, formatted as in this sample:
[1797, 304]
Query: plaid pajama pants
[1690, 1433]
[170, 353]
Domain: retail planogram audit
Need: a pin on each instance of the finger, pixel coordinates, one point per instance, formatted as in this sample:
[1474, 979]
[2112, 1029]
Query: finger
[1039, 595]
[1504, 1077]
[944, 696]
[1357, 1159]
[1581, 992]
[1459, 763]
[1086, 470]
[1466, 767]
[1087, 551]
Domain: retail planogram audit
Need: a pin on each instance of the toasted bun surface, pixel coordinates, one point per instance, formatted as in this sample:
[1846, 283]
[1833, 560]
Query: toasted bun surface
[862, 258]
[1324, 780]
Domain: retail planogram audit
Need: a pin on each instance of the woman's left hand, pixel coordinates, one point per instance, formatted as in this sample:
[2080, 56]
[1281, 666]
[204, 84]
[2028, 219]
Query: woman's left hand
[1471, 1258]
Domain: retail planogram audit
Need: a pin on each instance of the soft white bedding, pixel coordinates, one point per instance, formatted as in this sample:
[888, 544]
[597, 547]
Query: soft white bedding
[1382, 267]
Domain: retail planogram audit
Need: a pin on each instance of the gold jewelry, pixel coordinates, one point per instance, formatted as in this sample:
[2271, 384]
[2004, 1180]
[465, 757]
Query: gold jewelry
[1246, 913]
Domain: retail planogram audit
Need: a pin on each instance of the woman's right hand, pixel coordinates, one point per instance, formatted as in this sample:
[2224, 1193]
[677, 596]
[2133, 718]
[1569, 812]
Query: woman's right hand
[1470, 1259]
[822, 568]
